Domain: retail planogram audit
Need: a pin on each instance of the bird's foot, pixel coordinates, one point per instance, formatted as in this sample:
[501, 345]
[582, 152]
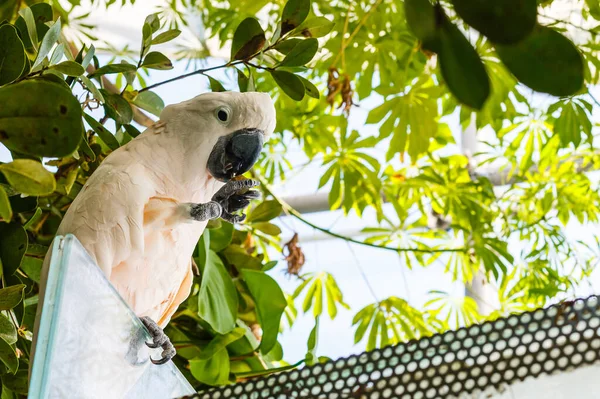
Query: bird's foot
[235, 195]
[159, 339]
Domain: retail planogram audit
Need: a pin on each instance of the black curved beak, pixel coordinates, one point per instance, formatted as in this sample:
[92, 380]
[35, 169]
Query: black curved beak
[235, 153]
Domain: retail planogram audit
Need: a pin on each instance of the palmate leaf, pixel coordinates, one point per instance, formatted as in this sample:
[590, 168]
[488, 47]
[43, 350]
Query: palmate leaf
[352, 173]
[412, 119]
[573, 121]
[462, 311]
[319, 288]
[391, 321]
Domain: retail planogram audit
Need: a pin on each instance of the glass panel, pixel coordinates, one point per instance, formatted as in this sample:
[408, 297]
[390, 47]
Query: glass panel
[90, 343]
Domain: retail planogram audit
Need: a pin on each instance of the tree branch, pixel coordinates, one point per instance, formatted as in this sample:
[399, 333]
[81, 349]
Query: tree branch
[292, 212]
[187, 75]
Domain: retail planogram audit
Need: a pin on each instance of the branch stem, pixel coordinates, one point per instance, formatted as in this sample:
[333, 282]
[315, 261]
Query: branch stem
[292, 212]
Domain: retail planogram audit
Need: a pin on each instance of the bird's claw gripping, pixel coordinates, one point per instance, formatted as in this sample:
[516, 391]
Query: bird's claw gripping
[235, 195]
[159, 339]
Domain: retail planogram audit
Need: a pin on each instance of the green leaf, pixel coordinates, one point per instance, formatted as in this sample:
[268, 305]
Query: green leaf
[220, 342]
[378, 324]
[267, 228]
[276, 354]
[290, 84]
[243, 81]
[156, 60]
[301, 54]
[32, 267]
[88, 56]
[149, 101]
[132, 130]
[462, 68]
[166, 36]
[41, 118]
[567, 126]
[36, 215]
[113, 68]
[314, 27]
[310, 294]
[17, 383]
[7, 10]
[5, 208]
[11, 296]
[8, 331]
[221, 238]
[12, 55]
[251, 374]
[57, 54]
[215, 85]
[29, 19]
[107, 137]
[217, 299]
[153, 21]
[29, 177]
[311, 345]
[239, 258]
[421, 19]
[501, 21]
[12, 247]
[285, 46]
[363, 318]
[248, 39]
[269, 265]
[594, 8]
[42, 13]
[48, 42]
[310, 88]
[294, 13]
[8, 356]
[70, 68]
[146, 39]
[270, 304]
[546, 61]
[214, 371]
[117, 108]
[318, 308]
[265, 211]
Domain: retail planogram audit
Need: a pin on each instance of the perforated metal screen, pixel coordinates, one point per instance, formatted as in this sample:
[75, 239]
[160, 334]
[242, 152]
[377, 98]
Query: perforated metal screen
[493, 354]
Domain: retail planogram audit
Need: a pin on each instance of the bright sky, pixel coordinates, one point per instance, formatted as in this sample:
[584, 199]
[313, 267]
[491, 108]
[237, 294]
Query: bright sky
[386, 274]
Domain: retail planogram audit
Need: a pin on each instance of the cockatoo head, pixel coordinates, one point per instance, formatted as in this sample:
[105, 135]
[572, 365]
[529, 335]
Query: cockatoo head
[229, 128]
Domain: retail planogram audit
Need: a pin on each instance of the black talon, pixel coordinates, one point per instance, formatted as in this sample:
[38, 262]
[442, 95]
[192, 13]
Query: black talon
[167, 354]
[159, 339]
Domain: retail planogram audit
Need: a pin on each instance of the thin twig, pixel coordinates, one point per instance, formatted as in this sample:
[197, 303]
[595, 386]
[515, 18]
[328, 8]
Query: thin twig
[187, 75]
[229, 64]
[581, 28]
[593, 98]
[259, 66]
[356, 29]
[362, 273]
[292, 212]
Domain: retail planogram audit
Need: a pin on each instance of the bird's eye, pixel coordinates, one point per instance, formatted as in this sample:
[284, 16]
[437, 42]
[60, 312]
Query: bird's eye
[223, 115]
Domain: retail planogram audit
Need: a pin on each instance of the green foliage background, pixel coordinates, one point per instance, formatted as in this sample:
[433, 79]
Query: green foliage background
[423, 61]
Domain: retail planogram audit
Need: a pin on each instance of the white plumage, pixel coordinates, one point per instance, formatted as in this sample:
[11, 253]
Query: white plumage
[131, 215]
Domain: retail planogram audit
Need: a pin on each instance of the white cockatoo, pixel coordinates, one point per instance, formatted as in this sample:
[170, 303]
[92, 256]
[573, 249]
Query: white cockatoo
[143, 210]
